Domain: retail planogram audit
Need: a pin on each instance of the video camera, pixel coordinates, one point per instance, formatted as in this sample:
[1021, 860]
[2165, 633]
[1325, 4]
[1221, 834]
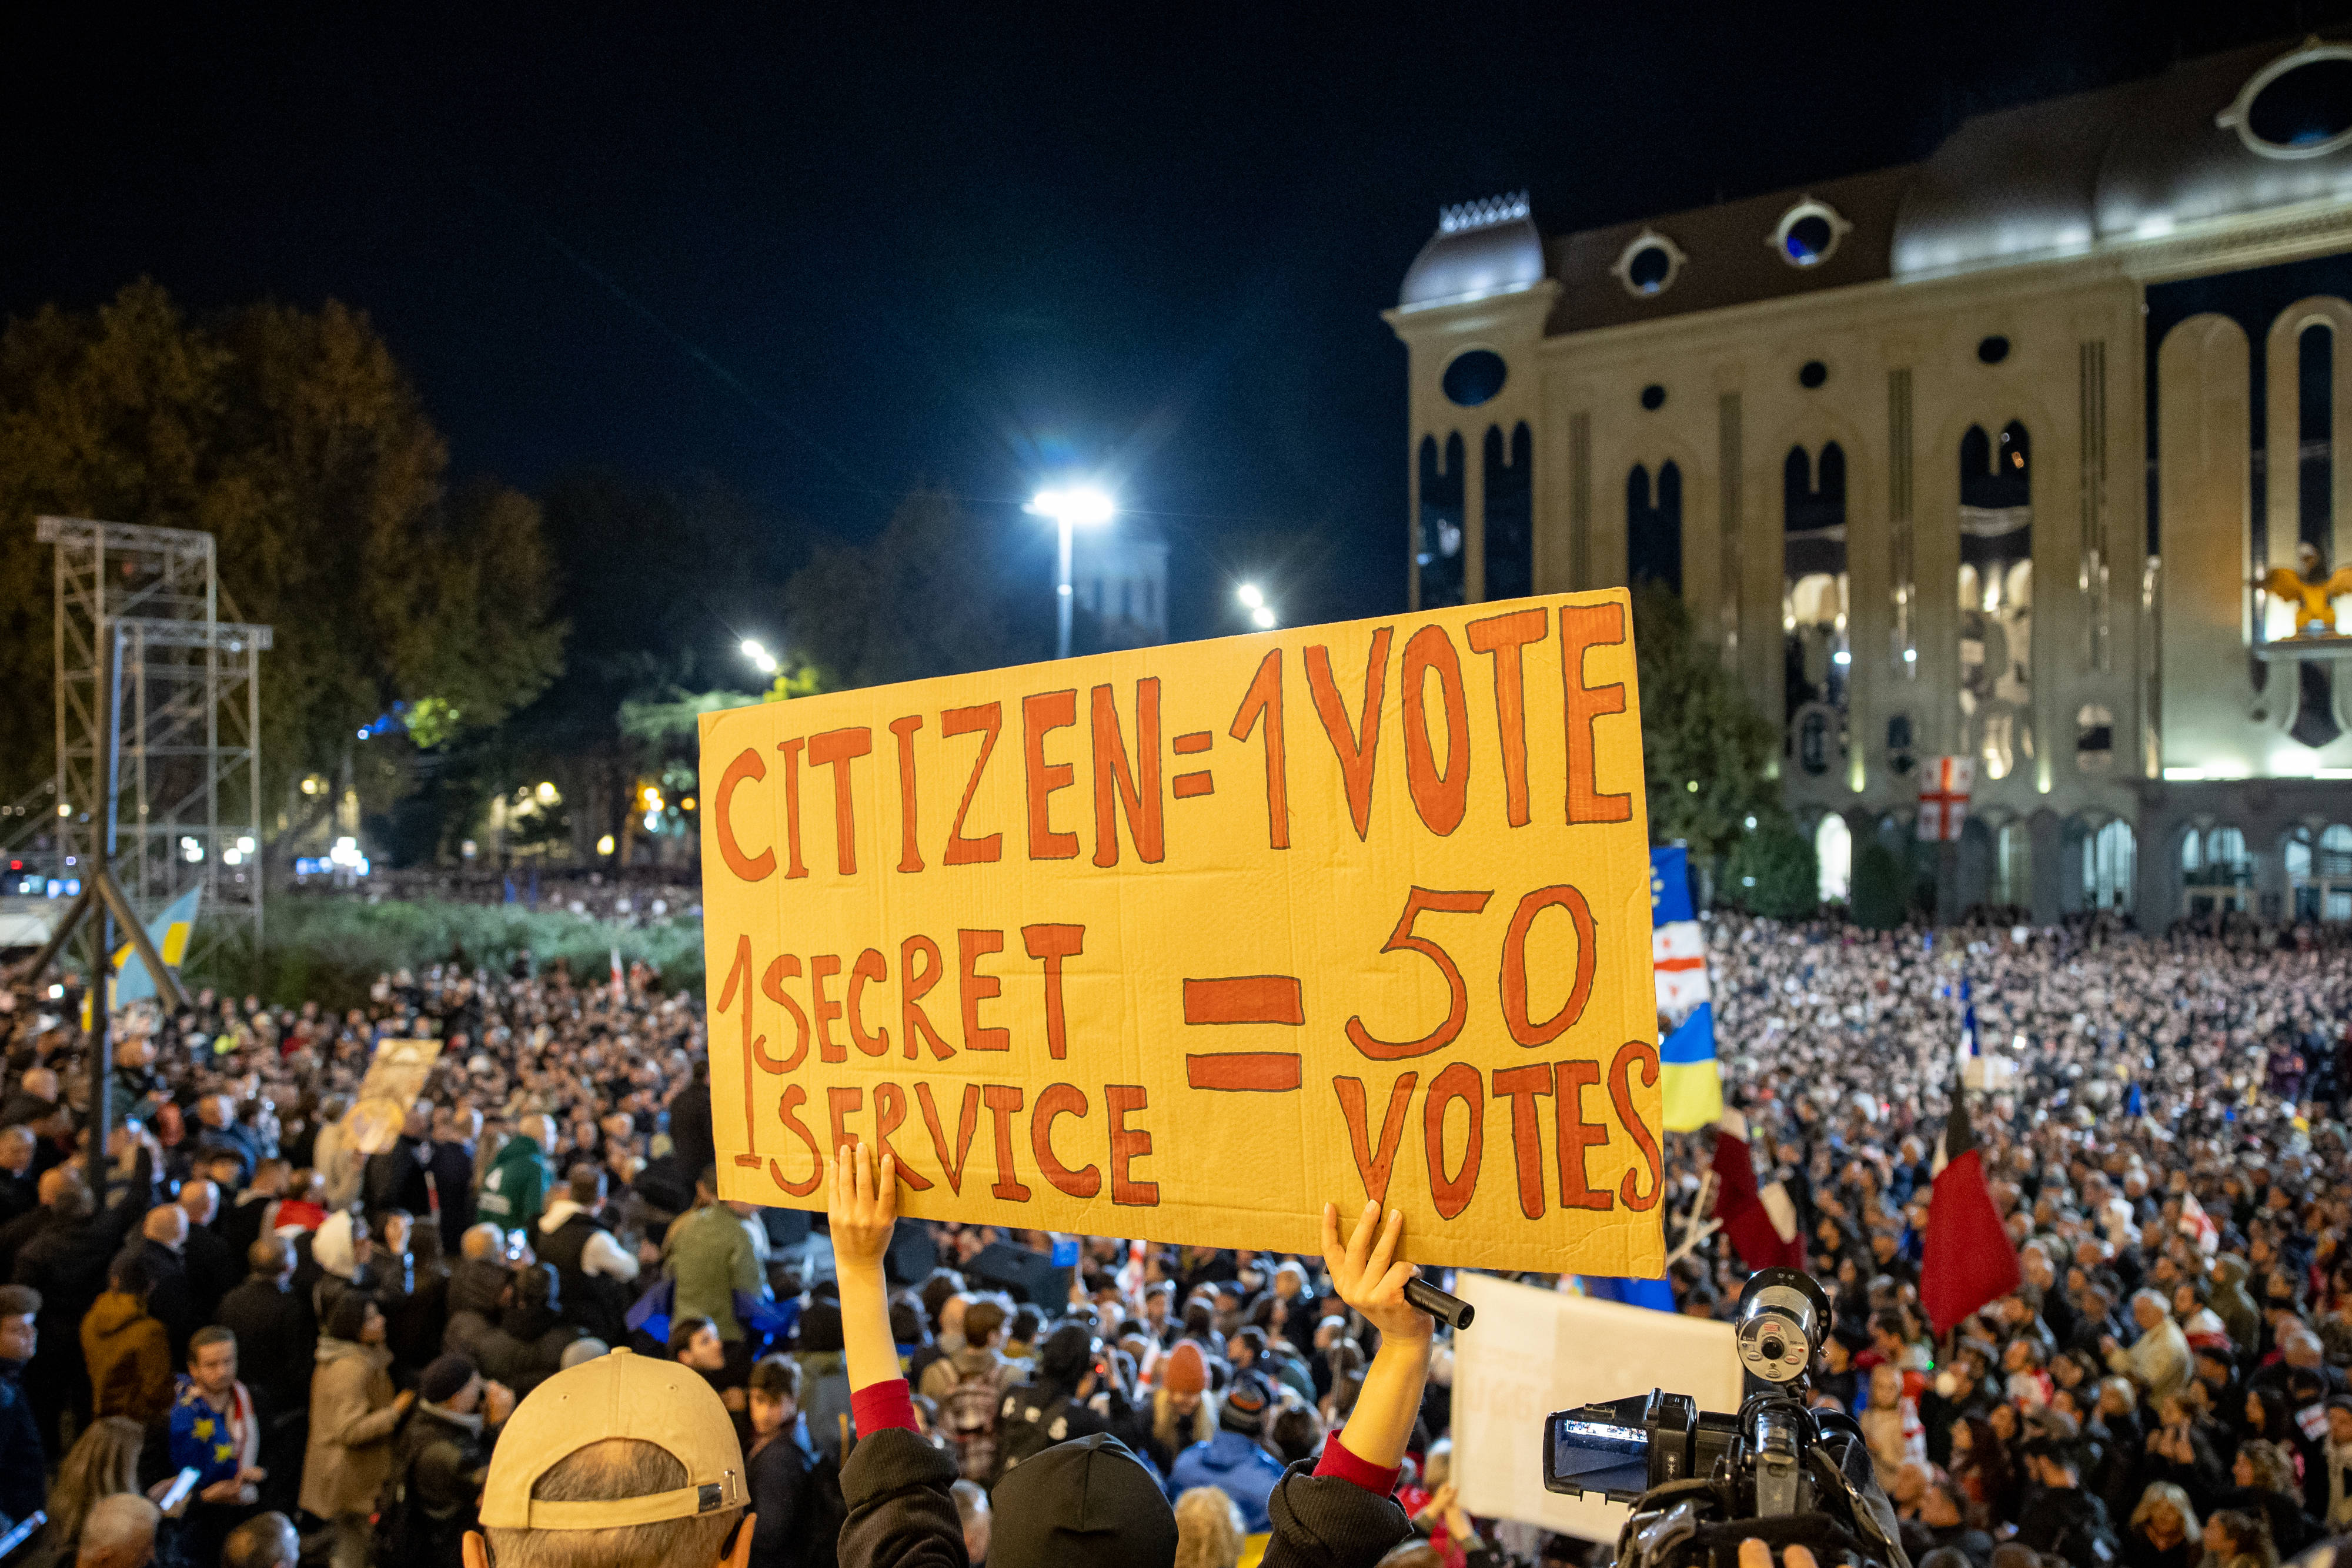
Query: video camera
[1701, 1482]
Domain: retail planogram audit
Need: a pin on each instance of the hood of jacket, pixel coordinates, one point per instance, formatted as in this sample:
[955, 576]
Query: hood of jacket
[332, 1248]
[558, 1211]
[1229, 1453]
[113, 1313]
[332, 1349]
[523, 1146]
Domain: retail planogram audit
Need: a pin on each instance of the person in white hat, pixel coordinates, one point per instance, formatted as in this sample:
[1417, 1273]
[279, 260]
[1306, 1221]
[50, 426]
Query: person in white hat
[620, 1462]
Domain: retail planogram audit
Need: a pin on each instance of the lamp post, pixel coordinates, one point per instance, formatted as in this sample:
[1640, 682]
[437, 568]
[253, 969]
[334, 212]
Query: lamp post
[1078, 503]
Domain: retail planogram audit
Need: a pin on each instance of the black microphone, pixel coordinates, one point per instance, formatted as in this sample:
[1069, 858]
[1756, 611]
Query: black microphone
[1449, 1309]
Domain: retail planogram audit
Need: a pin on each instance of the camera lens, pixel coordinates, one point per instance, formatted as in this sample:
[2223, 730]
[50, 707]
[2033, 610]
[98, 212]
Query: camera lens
[1773, 1347]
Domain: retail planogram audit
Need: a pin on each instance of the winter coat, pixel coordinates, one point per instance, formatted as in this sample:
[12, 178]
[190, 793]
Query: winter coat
[351, 1422]
[903, 1515]
[441, 1456]
[1235, 1464]
[130, 1358]
[514, 1189]
[777, 1472]
[21, 1461]
[710, 1254]
[276, 1342]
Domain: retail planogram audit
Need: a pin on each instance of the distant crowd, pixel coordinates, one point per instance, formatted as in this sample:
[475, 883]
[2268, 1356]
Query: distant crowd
[339, 1345]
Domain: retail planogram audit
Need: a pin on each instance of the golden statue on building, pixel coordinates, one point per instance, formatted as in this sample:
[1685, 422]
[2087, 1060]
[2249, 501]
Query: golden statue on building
[2310, 590]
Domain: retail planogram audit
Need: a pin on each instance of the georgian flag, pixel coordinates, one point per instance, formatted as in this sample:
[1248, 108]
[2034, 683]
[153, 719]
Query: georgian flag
[2198, 1225]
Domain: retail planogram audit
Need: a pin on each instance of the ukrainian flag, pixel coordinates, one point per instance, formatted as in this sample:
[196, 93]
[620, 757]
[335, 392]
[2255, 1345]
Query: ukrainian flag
[169, 931]
[1693, 1081]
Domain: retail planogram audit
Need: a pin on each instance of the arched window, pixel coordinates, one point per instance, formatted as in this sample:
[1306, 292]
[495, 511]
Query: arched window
[2319, 872]
[1996, 598]
[1653, 525]
[1816, 656]
[1833, 848]
[1510, 514]
[2315, 707]
[1439, 550]
[2216, 870]
[2110, 863]
[2013, 865]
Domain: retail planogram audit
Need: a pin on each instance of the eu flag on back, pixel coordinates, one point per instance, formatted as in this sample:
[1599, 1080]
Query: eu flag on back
[1670, 898]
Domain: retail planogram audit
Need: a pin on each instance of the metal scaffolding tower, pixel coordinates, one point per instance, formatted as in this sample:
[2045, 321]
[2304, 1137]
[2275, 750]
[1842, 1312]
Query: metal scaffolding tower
[183, 808]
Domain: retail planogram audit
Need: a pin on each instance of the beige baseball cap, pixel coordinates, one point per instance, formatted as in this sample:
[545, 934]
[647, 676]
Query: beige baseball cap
[615, 1395]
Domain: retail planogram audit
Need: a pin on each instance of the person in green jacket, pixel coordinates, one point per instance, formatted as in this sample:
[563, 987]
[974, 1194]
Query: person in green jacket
[515, 1190]
[710, 1256]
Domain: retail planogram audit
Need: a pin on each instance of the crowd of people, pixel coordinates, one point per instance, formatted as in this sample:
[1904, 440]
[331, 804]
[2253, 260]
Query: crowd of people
[340, 1352]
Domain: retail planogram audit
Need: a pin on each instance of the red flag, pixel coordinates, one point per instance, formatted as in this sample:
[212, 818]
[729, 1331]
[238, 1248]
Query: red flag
[1763, 1239]
[1969, 1257]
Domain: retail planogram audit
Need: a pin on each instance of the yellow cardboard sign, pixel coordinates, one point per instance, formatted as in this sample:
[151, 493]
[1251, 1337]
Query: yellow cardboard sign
[1184, 942]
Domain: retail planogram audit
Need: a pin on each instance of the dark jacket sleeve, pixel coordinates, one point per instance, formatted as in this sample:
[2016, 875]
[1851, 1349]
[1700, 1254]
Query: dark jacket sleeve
[1323, 1521]
[901, 1511]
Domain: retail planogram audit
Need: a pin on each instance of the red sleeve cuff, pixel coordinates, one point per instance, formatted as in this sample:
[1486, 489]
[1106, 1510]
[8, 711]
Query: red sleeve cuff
[880, 1404]
[1338, 1460]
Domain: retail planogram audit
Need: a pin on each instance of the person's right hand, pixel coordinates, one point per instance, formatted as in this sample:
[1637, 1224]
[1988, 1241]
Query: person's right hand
[497, 1403]
[403, 1399]
[863, 1207]
[1365, 1273]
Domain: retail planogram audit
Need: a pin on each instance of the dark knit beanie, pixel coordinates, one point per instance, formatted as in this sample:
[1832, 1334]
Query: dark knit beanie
[444, 1379]
[1087, 1500]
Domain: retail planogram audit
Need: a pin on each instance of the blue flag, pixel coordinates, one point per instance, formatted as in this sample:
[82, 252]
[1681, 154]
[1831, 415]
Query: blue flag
[169, 932]
[1655, 1294]
[1670, 898]
[2132, 1101]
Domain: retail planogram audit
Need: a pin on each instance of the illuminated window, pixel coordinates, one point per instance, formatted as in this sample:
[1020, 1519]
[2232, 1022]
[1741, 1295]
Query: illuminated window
[1807, 234]
[1817, 658]
[1996, 598]
[2013, 865]
[1833, 848]
[2298, 106]
[2319, 872]
[1649, 265]
[2110, 861]
[2216, 870]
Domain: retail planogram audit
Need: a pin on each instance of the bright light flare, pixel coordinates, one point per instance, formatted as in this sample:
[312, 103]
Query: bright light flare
[1263, 616]
[1083, 506]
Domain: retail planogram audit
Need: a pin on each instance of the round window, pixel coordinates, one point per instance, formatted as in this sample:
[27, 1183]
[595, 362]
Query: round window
[1807, 234]
[1476, 377]
[1654, 397]
[1811, 373]
[1992, 350]
[1649, 265]
[2298, 106]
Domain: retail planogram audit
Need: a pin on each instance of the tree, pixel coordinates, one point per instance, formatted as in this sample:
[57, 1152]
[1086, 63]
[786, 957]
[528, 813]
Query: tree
[1774, 871]
[927, 597]
[1704, 747]
[296, 440]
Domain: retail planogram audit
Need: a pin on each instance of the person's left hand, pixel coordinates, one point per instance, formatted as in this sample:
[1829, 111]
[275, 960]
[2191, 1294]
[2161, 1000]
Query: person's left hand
[862, 1205]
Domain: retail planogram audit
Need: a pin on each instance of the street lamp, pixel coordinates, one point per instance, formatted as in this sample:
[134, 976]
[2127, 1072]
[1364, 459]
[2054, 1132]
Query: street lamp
[1253, 599]
[1078, 503]
[759, 655]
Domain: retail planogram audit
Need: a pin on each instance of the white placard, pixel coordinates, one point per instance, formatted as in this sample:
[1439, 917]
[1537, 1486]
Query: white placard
[1533, 1352]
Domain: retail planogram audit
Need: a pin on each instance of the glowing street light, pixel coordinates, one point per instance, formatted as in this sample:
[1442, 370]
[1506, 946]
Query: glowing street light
[764, 661]
[1076, 506]
[1253, 599]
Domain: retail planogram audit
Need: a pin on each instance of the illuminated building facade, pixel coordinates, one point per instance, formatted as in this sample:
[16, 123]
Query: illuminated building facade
[1978, 455]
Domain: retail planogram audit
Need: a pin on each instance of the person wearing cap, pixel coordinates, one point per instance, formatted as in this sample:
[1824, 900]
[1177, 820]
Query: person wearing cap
[1091, 1499]
[622, 1461]
[441, 1457]
[1235, 1460]
[1180, 1416]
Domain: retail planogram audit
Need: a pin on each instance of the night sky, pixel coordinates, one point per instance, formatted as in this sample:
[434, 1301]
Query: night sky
[824, 254]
